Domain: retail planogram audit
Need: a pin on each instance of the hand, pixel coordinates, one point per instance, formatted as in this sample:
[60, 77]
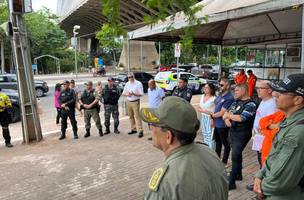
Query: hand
[228, 123]
[274, 126]
[225, 116]
[86, 106]
[63, 105]
[257, 188]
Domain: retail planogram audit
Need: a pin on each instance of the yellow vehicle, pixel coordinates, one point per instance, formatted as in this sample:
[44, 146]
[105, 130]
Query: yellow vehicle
[168, 81]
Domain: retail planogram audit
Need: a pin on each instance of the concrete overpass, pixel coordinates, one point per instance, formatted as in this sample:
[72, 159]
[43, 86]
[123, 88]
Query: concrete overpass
[87, 14]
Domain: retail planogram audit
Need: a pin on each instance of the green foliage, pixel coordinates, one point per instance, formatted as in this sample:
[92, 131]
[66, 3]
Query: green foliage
[45, 35]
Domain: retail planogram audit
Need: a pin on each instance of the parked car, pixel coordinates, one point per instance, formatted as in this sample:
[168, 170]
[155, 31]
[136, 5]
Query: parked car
[121, 79]
[14, 111]
[168, 81]
[9, 81]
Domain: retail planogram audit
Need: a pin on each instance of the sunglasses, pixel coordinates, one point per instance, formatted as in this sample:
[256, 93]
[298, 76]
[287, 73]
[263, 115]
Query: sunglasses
[221, 85]
[130, 76]
[262, 88]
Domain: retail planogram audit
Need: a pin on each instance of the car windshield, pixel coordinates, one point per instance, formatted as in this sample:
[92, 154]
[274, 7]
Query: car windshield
[162, 75]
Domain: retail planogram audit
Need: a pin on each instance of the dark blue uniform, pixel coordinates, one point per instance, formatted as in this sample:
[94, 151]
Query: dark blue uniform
[68, 97]
[185, 93]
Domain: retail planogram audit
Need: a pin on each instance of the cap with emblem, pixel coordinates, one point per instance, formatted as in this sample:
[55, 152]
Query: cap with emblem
[293, 84]
[173, 112]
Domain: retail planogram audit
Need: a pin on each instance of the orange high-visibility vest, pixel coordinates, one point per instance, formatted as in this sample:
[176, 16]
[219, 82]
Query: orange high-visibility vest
[251, 84]
[240, 78]
[269, 134]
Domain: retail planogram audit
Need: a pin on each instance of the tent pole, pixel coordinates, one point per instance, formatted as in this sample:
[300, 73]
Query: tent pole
[129, 56]
[220, 61]
[302, 54]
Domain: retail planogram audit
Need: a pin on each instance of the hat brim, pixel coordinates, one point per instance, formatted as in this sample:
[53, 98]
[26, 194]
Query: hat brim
[277, 87]
[149, 115]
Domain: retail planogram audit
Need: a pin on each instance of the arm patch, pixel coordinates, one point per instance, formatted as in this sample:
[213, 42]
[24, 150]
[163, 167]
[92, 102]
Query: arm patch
[157, 177]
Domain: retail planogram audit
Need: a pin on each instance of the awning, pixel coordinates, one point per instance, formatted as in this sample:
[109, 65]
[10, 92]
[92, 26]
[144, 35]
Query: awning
[234, 22]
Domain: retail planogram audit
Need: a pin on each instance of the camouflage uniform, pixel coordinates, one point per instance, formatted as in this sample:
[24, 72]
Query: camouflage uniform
[88, 97]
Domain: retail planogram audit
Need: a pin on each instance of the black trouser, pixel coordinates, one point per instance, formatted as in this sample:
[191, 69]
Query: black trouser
[221, 138]
[4, 122]
[58, 115]
[64, 118]
[238, 142]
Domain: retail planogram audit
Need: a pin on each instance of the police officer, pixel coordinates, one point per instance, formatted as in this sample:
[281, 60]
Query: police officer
[110, 95]
[89, 102]
[5, 118]
[190, 171]
[282, 176]
[67, 100]
[182, 90]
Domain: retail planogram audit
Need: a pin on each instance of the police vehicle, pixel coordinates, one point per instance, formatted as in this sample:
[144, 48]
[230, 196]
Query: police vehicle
[168, 81]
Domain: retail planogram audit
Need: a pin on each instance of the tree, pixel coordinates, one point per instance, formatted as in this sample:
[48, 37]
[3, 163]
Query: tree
[111, 9]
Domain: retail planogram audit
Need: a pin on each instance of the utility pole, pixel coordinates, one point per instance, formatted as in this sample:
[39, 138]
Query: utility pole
[21, 52]
[75, 28]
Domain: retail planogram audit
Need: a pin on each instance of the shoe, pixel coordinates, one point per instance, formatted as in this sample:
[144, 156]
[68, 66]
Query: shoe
[249, 187]
[75, 136]
[239, 177]
[100, 133]
[140, 134]
[132, 132]
[9, 145]
[150, 138]
[232, 186]
[62, 137]
[116, 131]
[107, 131]
[87, 135]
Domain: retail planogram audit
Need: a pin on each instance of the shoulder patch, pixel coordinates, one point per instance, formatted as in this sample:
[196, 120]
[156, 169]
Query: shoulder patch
[157, 177]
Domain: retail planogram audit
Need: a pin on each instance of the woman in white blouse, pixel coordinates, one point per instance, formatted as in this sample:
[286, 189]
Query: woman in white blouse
[207, 105]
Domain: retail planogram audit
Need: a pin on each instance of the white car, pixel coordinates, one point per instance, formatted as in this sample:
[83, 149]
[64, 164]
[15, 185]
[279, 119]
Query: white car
[168, 81]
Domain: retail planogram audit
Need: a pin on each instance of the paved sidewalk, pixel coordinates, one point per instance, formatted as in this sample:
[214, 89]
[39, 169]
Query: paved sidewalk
[113, 167]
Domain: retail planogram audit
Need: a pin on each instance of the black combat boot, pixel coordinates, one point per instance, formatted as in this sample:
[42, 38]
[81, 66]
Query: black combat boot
[87, 133]
[107, 130]
[100, 133]
[62, 135]
[75, 135]
[140, 134]
[116, 130]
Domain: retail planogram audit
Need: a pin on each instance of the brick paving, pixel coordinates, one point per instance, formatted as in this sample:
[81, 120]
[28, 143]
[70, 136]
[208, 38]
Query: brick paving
[114, 167]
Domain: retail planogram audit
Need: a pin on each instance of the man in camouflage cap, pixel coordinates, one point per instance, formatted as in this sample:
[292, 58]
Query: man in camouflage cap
[282, 176]
[191, 171]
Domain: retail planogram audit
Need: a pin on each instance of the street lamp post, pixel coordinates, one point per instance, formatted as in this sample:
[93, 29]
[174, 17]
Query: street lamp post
[76, 27]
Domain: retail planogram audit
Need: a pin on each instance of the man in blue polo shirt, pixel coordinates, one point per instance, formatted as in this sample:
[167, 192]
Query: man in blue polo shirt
[155, 94]
[221, 131]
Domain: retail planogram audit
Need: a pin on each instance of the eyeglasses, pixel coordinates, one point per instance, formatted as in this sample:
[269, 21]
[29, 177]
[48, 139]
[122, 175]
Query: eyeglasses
[130, 76]
[221, 85]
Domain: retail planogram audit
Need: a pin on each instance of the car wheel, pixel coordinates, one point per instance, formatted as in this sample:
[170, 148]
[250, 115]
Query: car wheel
[39, 92]
[14, 111]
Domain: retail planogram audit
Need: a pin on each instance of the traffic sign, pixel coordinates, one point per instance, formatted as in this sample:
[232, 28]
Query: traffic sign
[177, 51]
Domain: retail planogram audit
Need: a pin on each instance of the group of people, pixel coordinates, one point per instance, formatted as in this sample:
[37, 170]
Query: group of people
[277, 119]
[68, 98]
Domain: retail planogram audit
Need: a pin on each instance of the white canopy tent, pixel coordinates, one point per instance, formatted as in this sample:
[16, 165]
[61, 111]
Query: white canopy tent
[235, 22]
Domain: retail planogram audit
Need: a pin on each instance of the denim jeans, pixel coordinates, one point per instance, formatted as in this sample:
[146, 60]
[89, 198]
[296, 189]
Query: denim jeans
[221, 138]
[238, 142]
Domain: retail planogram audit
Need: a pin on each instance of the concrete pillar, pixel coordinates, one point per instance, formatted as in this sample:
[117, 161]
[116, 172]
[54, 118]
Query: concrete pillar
[302, 53]
[148, 50]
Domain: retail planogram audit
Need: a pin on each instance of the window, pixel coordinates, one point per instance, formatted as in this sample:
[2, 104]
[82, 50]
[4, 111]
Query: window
[3, 79]
[13, 79]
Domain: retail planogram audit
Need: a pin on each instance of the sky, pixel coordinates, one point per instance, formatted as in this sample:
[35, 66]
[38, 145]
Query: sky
[51, 4]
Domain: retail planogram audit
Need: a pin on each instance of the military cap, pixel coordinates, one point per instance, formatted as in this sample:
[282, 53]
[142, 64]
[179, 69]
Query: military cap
[174, 112]
[292, 83]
